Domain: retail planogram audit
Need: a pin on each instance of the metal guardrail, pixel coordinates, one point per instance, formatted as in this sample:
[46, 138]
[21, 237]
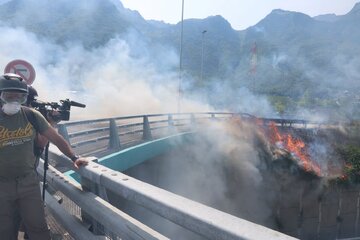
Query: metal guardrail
[106, 220]
[120, 132]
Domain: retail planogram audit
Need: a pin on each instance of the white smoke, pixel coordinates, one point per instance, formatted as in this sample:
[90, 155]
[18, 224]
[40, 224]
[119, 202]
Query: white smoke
[220, 168]
[277, 59]
[107, 79]
[240, 100]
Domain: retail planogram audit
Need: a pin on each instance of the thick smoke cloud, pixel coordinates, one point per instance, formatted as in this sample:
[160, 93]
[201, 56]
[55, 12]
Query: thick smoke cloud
[240, 100]
[222, 166]
[108, 79]
[119, 78]
[130, 74]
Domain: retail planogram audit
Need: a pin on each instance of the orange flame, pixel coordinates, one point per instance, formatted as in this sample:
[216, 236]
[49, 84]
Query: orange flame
[276, 135]
[296, 147]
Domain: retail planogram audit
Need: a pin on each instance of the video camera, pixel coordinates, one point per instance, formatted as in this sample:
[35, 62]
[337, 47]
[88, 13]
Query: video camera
[63, 109]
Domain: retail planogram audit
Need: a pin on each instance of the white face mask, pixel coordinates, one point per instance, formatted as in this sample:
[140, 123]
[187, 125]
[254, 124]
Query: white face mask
[11, 108]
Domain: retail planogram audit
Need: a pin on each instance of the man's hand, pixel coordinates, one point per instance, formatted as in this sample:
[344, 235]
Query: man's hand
[81, 161]
[64, 147]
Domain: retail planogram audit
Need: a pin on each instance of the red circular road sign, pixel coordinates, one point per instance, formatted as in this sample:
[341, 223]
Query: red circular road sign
[22, 68]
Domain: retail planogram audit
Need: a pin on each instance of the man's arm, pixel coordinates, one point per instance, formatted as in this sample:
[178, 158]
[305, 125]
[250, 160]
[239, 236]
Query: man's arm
[52, 135]
[41, 140]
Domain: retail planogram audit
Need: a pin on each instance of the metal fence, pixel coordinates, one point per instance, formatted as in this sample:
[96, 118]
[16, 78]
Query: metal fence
[101, 136]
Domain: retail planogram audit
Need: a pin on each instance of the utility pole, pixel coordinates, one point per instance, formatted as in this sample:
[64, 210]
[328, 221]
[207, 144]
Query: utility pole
[180, 65]
[202, 56]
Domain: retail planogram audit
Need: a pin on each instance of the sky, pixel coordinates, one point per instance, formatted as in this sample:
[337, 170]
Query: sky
[240, 13]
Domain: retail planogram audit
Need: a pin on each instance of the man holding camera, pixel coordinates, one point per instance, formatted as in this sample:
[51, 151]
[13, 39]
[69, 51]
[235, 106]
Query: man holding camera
[50, 116]
[19, 184]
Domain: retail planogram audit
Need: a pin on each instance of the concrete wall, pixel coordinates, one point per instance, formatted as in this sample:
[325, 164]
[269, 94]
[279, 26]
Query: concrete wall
[331, 214]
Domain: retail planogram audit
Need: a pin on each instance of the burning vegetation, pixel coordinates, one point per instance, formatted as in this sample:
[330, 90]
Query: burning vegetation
[280, 176]
[330, 152]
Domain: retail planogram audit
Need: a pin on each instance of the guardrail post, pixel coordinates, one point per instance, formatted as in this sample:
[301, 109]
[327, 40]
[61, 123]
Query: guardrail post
[192, 121]
[63, 132]
[90, 186]
[114, 140]
[146, 129]
[171, 126]
[170, 120]
[213, 117]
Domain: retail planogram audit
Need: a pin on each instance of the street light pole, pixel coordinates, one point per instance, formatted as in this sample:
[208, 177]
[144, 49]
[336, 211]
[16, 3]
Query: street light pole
[202, 56]
[181, 50]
